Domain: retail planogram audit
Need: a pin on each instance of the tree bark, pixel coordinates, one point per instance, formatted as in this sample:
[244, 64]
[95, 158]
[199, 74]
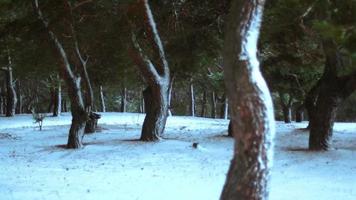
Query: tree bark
[226, 108]
[299, 113]
[155, 72]
[192, 100]
[102, 99]
[57, 98]
[250, 104]
[287, 114]
[171, 82]
[156, 104]
[19, 98]
[213, 105]
[123, 99]
[203, 107]
[229, 130]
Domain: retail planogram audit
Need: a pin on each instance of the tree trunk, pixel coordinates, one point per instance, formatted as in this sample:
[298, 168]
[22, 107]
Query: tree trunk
[229, 130]
[203, 107]
[322, 126]
[223, 107]
[327, 96]
[156, 104]
[287, 114]
[213, 105]
[250, 104]
[156, 74]
[11, 97]
[79, 114]
[102, 99]
[226, 108]
[2, 102]
[57, 99]
[310, 102]
[64, 105]
[192, 100]
[171, 82]
[299, 113]
[123, 99]
[19, 97]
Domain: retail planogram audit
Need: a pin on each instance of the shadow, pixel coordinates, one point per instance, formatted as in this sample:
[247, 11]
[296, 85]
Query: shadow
[302, 129]
[297, 149]
[61, 146]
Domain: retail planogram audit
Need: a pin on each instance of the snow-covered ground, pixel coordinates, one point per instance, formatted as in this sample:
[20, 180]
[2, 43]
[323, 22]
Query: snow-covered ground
[114, 165]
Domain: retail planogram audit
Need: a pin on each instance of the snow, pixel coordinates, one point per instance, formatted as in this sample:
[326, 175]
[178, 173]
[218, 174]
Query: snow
[114, 165]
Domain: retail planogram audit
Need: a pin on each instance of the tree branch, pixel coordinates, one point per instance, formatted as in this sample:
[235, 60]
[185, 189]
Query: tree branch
[54, 38]
[144, 63]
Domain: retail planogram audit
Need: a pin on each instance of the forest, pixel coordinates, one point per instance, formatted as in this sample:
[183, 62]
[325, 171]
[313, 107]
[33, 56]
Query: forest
[100, 99]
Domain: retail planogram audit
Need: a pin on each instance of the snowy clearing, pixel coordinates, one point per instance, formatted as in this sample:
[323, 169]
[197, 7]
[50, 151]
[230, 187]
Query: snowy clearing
[114, 165]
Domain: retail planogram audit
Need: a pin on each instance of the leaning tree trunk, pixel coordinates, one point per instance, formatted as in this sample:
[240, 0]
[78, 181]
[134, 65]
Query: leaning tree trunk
[170, 90]
[155, 73]
[250, 104]
[19, 98]
[102, 99]
[73, 81]
[327, 96]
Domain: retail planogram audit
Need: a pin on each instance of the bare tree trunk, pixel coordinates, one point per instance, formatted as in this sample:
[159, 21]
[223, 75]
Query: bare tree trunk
[142, 103]
[2, 102]
[203, 108]
[250, 104]
[11, 97]
[170, 95]
[19, 97]
[223, 106]
[287, 114]
[155, 73]
[64, 105]
[102, 99]
[226, 106]
[299, 113]
[57, 98]
[213, 105]
[286, 107]
[192, 100]
[123, 99]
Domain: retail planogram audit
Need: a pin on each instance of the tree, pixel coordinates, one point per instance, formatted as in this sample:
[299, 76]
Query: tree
[154, 70]
[11, 97]
[334, 25]
[251, 105]
[73, 80]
